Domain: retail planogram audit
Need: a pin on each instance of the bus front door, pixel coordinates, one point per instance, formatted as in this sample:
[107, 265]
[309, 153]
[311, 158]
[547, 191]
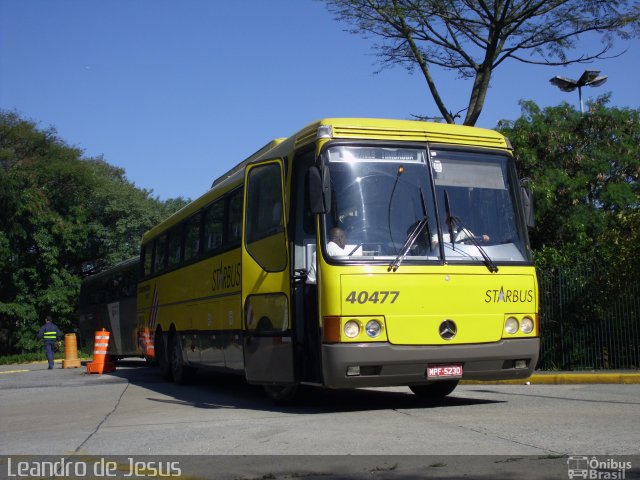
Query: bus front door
[268, 347]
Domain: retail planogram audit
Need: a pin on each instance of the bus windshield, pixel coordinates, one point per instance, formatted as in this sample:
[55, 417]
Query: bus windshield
[383, 206]
[481, 192]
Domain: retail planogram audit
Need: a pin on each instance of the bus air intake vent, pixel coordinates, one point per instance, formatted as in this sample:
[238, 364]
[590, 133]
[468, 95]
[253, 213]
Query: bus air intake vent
[420, 135]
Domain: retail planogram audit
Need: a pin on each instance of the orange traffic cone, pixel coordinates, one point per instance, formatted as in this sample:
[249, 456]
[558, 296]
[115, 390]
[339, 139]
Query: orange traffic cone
[70, 352]
[101, 362]
[147, 342]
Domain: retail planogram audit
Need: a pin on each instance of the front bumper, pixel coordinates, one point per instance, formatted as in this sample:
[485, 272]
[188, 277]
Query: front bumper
[385, 365]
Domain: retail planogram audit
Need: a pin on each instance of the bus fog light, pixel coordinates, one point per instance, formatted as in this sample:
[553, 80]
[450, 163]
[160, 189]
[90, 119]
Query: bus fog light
[527, 325]
[351, 329]
[511, 325]
[373, 328]
[353, 371]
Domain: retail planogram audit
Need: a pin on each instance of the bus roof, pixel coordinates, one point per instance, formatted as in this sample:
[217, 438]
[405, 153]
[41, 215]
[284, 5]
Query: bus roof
[408, 130]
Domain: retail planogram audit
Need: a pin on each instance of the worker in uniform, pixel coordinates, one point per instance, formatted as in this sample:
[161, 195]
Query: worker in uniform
[50, 333]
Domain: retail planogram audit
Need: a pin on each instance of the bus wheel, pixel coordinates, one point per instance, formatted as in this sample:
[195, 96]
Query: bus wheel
[435, 390]
[281, 393]
[162, 357]
[182, 374]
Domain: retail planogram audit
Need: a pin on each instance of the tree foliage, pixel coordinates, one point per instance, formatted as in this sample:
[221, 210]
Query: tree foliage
[584, 171]
[474, 37]
[62, 216]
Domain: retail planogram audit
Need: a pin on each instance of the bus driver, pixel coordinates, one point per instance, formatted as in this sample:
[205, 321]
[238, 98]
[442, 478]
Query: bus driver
[335, 246]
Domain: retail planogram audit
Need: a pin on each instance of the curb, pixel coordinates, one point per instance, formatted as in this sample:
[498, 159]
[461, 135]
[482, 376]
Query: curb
[565, 379]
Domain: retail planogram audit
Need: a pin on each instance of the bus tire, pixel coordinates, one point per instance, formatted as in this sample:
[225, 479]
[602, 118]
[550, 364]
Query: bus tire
[281, 393]
[435, 390]
[182, 374]
[161, 356]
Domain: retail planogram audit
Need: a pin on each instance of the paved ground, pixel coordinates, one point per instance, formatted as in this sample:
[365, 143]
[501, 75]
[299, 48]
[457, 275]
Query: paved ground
[133, 412]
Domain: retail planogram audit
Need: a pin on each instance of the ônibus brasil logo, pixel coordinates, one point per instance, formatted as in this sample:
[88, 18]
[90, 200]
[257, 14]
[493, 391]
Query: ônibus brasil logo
[593, 468]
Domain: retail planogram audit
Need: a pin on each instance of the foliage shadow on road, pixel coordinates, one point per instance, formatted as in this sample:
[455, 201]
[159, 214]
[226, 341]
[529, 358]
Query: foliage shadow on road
[211, 390]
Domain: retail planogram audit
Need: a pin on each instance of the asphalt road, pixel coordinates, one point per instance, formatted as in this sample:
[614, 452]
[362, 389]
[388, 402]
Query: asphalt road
[134, 412]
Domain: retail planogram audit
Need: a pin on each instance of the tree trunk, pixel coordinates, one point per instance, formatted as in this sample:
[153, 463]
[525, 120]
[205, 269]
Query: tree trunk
[478, 95]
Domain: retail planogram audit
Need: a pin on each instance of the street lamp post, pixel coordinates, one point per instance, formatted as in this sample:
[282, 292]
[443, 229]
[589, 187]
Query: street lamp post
[591, 78]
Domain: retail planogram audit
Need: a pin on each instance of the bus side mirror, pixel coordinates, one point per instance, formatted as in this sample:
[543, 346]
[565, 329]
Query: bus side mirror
[527, 206]
[319, 190]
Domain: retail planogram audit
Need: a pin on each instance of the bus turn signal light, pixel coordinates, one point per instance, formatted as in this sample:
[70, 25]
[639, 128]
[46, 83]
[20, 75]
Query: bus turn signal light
[331, 330]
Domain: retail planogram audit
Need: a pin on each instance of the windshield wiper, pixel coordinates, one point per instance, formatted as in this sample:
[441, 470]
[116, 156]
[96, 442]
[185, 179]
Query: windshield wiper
[411, 239]
[453, 220]
[424, 212]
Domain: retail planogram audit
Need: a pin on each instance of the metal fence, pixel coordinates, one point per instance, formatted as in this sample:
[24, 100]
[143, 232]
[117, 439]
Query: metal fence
[588, 319]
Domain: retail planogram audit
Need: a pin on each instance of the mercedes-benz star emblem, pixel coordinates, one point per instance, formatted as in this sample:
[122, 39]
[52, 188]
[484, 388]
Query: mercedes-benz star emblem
[448, 329]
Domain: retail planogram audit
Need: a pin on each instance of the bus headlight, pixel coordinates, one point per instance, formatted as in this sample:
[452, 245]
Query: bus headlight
[373, 328]
[511, 325]
[527, 325]
[351, 329]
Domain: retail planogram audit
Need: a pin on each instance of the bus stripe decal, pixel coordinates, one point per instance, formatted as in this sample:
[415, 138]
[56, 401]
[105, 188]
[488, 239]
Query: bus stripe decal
[154, 309]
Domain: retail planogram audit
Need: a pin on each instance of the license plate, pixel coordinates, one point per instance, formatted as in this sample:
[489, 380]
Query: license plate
[444, 371]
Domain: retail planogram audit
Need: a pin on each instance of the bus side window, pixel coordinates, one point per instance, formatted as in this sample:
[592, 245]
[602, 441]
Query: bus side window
[264, 203]
[127, 289]
[234, 220]
[213, 226]
[113, 287]
[264, 228]
[175, 247]
[161, 254]
[147, 257]
[192, 237]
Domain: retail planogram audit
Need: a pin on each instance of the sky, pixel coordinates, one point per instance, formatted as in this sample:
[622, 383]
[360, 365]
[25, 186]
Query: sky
[176, 92]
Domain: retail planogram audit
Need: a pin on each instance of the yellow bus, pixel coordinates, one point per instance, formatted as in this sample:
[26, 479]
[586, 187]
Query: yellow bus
[355, 253]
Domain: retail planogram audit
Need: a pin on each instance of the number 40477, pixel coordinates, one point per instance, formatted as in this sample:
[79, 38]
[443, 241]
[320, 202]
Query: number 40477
[380, 296]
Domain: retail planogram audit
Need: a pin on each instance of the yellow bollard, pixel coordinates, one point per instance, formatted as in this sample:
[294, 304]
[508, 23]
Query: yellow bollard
[70, 352]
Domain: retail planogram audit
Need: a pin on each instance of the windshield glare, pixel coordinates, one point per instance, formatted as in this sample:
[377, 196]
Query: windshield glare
[380, 195]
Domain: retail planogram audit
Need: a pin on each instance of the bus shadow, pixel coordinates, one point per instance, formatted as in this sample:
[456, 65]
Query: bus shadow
[211, 390]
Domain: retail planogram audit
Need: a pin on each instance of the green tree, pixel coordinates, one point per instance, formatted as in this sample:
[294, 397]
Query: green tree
[473, 38]
[119, 213]
[584, 174]
[584, 171]
[61, 217]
